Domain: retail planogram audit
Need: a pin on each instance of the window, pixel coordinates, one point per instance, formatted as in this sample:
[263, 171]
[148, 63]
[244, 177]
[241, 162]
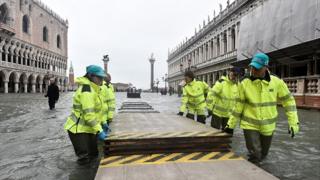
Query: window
[3, 13]
[58, 41]
[25, 24]
[45, 34]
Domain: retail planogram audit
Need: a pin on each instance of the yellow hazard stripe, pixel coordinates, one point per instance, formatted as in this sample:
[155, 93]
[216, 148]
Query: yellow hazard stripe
[147, 159]
[146, 135]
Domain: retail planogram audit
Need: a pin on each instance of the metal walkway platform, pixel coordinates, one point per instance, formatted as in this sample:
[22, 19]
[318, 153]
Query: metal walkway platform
[166, 146]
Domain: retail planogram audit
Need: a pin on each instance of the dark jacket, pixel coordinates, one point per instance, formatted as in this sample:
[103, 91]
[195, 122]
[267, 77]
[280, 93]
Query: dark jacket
[53, 92]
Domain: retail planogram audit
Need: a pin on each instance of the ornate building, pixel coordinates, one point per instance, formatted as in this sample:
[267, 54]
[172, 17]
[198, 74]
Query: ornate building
[288, 31]
[33, 47]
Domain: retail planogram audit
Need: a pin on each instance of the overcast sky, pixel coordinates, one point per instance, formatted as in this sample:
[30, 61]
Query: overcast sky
[129, 31]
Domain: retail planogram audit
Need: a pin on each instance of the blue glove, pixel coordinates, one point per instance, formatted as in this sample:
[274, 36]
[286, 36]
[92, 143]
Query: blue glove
[102, 136]
[105, 127]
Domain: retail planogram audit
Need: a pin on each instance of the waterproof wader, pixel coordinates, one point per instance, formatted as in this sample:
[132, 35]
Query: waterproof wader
[85, 146]
[257, 144]
[218, 122]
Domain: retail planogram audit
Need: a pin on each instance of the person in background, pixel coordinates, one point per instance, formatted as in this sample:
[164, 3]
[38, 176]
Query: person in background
[194, 98]
[52, 94]
[222, 98]
[110, 98]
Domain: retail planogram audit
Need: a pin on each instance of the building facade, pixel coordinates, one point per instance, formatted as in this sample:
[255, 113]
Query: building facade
[33, 47]
[288, 31]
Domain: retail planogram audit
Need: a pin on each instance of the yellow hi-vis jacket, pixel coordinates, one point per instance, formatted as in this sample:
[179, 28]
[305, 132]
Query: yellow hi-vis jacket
[110, 100]
[222, 97]
[193, 96]
[257, 108]
[87, 108]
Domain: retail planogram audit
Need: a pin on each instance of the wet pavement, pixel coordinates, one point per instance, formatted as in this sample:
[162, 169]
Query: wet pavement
[33, 144]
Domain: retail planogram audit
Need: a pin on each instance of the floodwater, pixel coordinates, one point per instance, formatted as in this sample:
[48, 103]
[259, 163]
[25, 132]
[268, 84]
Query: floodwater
[33, 144]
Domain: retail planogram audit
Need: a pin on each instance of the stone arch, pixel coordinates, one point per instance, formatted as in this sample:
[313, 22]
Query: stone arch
[2, 80]
[39, 83]
[23, 80]
[45, 82]
[13, 82]
[31, 83]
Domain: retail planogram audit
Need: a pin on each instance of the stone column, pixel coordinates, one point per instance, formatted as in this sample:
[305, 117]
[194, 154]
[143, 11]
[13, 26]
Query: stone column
[6, 57]
[6, 87]
[213, 78]
[229, 40]
[16, 87]
[210, 49]
[214, 47]
[200, 55]
[33, 87]
[218, 48]
[222, 44]
[204, 52]
[208, 80]
[40, 87]
[236, 35]
[197, 56]
[25, 84]
[152, 60]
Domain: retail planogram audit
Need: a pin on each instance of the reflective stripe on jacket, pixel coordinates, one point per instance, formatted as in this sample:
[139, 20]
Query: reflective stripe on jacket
[257, 108]
[87, 106]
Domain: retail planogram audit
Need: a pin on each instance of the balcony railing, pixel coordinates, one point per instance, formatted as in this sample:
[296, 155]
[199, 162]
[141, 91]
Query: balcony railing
[7, 29]
[30, 68]
[304, 85]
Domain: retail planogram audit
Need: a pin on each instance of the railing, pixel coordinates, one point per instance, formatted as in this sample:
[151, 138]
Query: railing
[292, 85]
[313, 85]
[30, 69]
[7, 29]
[304, 85]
